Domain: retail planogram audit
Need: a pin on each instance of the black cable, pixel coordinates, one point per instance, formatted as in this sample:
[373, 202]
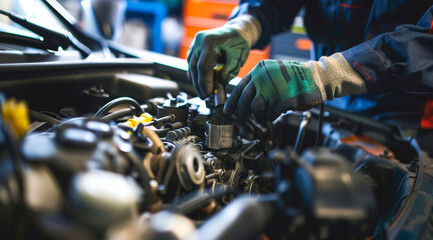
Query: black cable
[40, 117]
[320, 126]
[66, 122]
[116, 102]
[122, 113]
[118, 114]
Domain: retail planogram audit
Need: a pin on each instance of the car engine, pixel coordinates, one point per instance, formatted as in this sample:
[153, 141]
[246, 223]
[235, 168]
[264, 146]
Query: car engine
[163, 168]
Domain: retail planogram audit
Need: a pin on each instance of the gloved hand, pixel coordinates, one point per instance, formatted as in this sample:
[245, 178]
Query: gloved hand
[230, 44]
[275, 86]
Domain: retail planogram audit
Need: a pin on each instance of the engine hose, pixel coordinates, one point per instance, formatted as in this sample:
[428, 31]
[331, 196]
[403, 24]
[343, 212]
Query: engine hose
[152, 161]
[244, 218]
[122, 113]
[116, 102]
[198, 198]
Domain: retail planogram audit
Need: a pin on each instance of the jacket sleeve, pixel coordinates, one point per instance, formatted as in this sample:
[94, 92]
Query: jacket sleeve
[275, 16]
[398, 61]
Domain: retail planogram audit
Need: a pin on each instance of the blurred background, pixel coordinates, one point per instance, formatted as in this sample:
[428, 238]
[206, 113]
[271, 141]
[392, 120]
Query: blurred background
[169, 26]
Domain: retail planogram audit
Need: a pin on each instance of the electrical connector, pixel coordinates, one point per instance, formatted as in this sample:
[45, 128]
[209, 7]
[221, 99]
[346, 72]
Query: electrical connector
[143, 118]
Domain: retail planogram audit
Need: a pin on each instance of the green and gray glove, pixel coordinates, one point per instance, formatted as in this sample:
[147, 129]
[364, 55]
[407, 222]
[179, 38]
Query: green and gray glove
[231, 42]
[275, 86]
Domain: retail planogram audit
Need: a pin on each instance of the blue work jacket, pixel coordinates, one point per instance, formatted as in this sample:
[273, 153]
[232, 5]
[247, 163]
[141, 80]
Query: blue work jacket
[399, 81]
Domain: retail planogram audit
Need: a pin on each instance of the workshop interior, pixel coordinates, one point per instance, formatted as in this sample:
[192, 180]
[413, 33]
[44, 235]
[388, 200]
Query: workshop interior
[103, 136]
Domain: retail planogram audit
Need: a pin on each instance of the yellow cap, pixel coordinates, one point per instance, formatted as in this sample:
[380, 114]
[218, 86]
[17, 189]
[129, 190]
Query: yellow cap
[16, 114]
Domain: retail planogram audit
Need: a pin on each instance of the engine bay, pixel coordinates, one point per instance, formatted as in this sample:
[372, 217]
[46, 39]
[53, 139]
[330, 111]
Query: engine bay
[122, 155]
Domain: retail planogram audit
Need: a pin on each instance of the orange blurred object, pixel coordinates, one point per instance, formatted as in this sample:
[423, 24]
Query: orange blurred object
[304, 44]
[369, 145]
[201, 15]
[214, 9]
[264, 237]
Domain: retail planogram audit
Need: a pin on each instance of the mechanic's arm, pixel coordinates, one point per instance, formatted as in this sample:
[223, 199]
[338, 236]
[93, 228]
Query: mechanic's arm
[274, 16]
[397, 61]
[251, 25]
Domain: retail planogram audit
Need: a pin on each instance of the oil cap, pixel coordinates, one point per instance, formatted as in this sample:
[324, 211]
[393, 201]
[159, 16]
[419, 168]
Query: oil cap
[77, 137]
[100, 128]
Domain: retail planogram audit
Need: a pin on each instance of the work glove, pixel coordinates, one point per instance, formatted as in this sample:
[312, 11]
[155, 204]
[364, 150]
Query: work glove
[228, 45]
[274, 87]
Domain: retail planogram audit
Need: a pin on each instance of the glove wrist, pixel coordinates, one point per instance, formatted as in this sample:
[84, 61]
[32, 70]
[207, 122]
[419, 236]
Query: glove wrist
[335, 77]
[248, 26]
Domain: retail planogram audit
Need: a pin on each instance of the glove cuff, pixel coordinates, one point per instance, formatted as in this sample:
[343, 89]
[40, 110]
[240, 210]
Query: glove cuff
[335, 77]
[248, 26]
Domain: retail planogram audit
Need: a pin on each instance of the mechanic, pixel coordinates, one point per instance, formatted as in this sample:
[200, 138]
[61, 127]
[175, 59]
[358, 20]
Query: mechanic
[384, 67]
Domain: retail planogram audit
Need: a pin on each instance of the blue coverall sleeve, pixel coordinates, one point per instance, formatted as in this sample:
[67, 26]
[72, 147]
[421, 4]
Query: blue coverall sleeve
[398, 61]
[275, 16]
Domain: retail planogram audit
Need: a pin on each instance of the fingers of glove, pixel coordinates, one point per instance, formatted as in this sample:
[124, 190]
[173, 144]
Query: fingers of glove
[244, 104]
[232, 102]
[259, 106]
[273, 111]
[197, 89]
[192, 70]
[224, 76]
[229, 71]
[190, 50]
[205, 67]
[196, 45]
